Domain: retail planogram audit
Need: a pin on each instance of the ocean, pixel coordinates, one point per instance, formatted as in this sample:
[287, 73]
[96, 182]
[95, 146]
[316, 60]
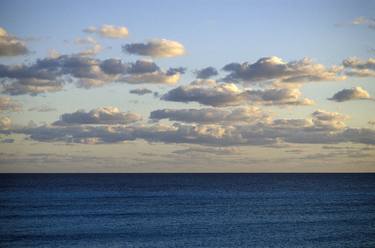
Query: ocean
[187, 210]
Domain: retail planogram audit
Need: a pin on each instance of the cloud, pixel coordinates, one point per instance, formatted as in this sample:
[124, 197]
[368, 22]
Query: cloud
[8, 105]
[10, 45]
[109, 31]
[323, 128]
[156, 48]
[274, 69]
[158, 77]
[209, 92]
[105, 115]
[359, 68]
[5, 123]
[324, 120]
[369, 22]
[211, 115]
[206, 73]
[355, 93]
[176, 70]
[51, 74]
[94, 48]
[140, 91]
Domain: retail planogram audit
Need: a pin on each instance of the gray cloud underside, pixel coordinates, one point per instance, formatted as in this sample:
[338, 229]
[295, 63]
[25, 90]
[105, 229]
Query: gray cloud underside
[206, 73]
[356, 93]
[155, 48]
[226, 94]
[276, 70]
[211, 115]
[51, 74]
[105, 115]
[322, 128]
[140, 91]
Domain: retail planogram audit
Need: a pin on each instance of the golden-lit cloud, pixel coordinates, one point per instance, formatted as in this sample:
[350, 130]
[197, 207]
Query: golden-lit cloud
[108, 31]
[156, 48]
[355, 93]
[11, 45]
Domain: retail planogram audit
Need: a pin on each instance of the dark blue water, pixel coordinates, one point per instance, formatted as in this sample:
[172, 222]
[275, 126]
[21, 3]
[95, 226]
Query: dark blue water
[187, 210]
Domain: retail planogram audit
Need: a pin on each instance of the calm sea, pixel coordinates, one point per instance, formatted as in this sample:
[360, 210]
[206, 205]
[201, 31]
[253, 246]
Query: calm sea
[187, 210]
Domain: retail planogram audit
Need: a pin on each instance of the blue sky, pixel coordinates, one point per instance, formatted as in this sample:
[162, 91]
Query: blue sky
[277, 34]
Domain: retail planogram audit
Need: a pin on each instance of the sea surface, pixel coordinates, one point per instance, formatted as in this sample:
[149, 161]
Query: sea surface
[187, 210]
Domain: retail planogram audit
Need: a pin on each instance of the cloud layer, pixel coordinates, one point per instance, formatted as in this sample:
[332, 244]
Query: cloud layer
[322, 128]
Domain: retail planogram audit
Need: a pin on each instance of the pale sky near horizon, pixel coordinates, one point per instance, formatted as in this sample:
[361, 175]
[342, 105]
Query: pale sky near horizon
[187, 86]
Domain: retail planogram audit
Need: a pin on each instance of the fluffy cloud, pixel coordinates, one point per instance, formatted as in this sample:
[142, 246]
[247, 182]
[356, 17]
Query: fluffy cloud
[323, 128]
[10, 45]
[5, 123]
[208, 92]
[211, 115]
[206, 73]
[359, 68]
[328, 120]
[274, 69]
[51, 74]
[109, 31]
[369, 22]
[140, 91]
[156, 48]
[356, 93]
[8, 105]
[105, 115]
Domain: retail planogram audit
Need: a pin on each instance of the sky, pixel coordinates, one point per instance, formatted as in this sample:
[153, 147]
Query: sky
[187, 86]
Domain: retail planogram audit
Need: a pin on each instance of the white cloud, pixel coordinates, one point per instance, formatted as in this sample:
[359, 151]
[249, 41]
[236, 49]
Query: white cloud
[109, 31]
